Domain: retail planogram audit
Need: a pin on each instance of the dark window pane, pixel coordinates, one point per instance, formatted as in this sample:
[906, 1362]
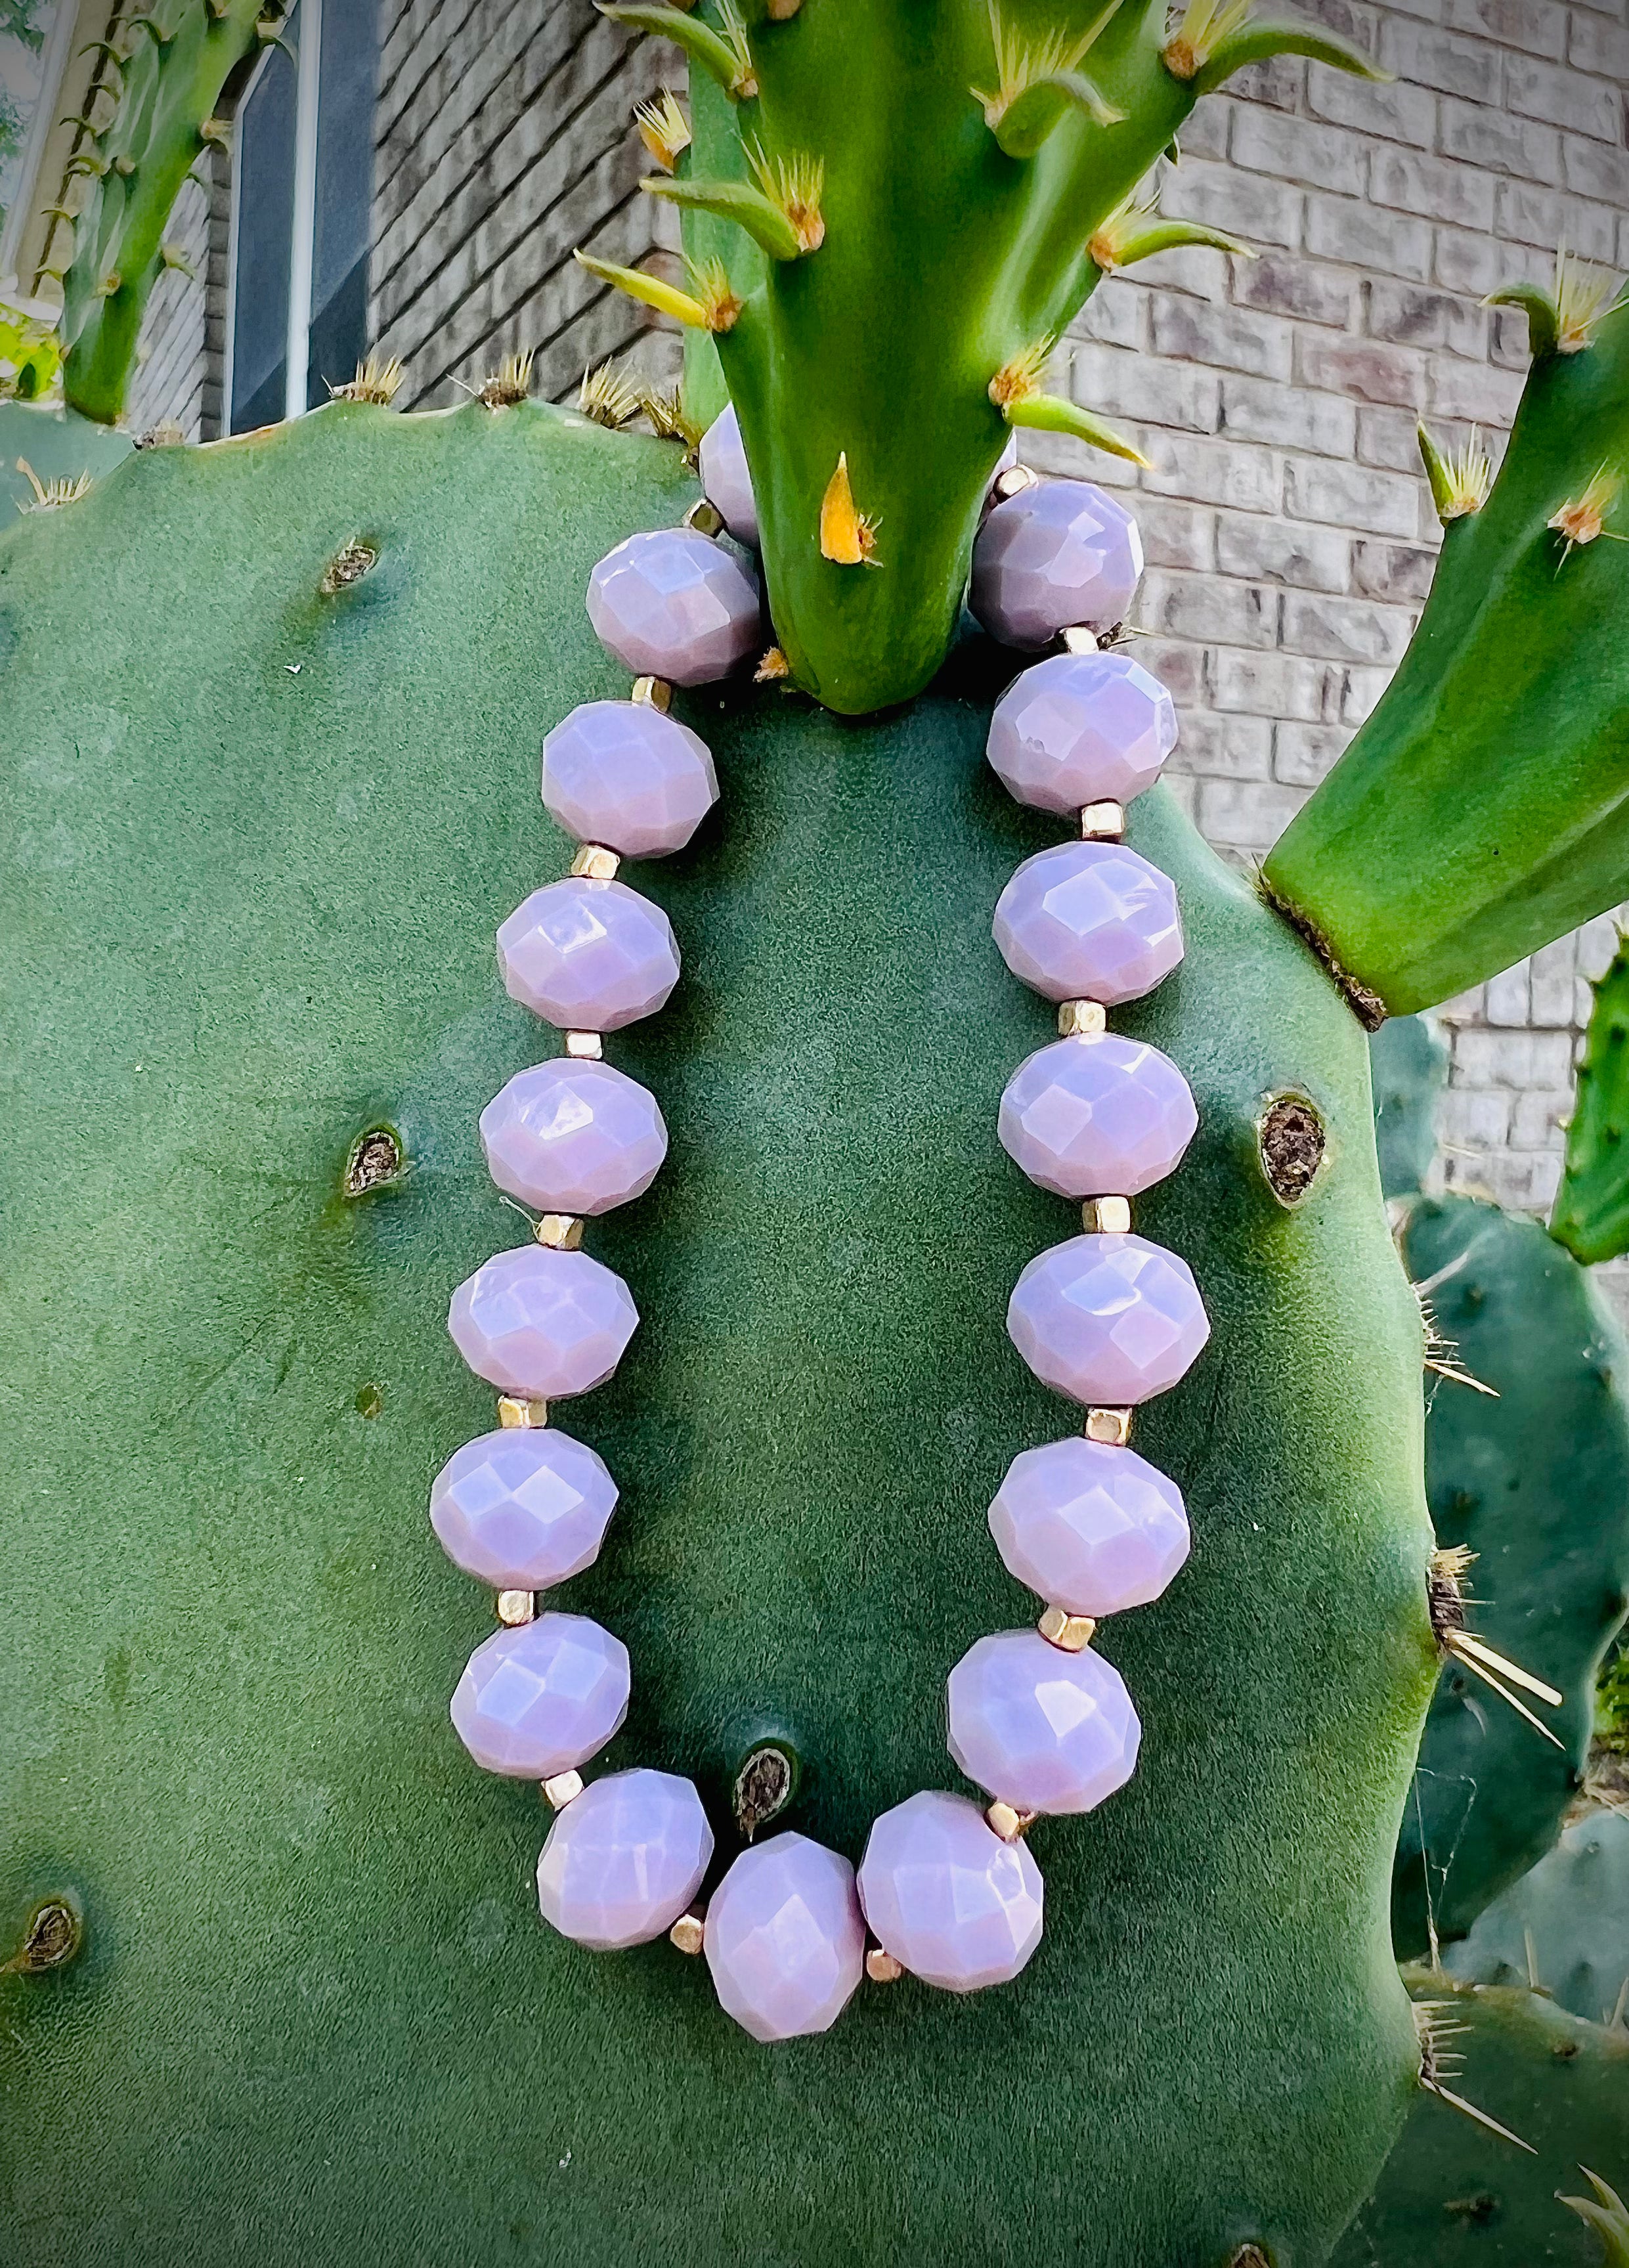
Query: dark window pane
[339, 277]
[265, 217]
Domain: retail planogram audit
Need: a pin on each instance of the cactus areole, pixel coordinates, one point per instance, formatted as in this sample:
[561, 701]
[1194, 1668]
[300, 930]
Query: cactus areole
[271, 795]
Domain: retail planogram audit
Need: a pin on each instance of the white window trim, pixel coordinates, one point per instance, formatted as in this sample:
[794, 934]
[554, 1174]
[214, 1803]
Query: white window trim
[303, 239]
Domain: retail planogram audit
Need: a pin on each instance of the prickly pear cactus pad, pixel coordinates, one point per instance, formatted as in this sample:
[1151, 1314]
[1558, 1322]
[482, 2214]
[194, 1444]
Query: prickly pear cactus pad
[1591, 1216]
[260, 834]
[1564, 1927]
[1409, 1065]
[1536, 1483]
[63, 451]
[1452, 2192]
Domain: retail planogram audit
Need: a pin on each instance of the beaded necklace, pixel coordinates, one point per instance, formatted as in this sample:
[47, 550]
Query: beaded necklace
[946, 1890]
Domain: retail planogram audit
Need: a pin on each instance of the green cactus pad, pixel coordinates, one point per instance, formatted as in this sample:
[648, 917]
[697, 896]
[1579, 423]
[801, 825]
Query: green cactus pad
[1453, 2192]
[58, 444]
[254, 856]
[1536, 1483]
[1408, 1064]
[1564, 1927]
[1591, 1215]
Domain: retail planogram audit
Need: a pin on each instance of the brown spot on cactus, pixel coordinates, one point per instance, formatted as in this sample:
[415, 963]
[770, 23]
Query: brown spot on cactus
[375, 1159]
[51, 1937]
[346, 567]
[1293, 1142]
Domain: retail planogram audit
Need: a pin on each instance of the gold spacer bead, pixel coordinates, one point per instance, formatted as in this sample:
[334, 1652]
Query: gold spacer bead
[513, 1412]
[1082, 1019]
[594, 860]
[1113, 1426]
[1069, 1633]
[652, 693]
[1106, 1216]
[1011, 1825]
[705, 518]
[1014, 481]
[881, 1967]
[515, 1608]
[564, 1788]
[1102, 822]
[1079, 639]
[689, 1933]
[561, 1231]
[586, 1046]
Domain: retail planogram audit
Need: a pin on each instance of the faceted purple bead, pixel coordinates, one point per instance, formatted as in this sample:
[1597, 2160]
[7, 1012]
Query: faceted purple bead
[1100, 1115]
[573, 1136]
[588, 956]
[1091, 1527]
[623, 1859]
[947, 1896]
[542, 1697]
[1082, 728]
[674, 604]
[726, 479]
[1108, 1319]
[624, 774]
[785, 1939]
[1054, 556]
[1042, 1729]
[522, 1509]
[1089, 921]
[543, 1323]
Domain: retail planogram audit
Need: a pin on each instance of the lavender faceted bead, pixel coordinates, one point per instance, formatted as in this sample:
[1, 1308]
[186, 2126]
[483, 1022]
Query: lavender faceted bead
[542, 1697]
[1057, 554]
[947, 1896]
[785, 1939]
[726, 479]
[1100, 1115]
[524, 1509]
[1082, 728]
[588, 956]
[1110, 1318]
[1091, 1527]
[623, 1859]
[543, 1323]
[674, 604]
[624, 774]
[1042, 1729]
[1089, 921]
[573, 1136]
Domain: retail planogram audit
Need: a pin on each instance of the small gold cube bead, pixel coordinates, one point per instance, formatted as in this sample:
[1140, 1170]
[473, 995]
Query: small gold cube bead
[881, 1967]
[594, 860]
[513, 1412]
[1070, 1633]
[1008, 1821]
[561, 1231]
[1014, 481]
[1082, 1019]
[1106, 1216]
[705, 518]
[1102, 822]
[517, 1606]
[564, 1788]
[586, 1046]
[1113, 1426]
[652, 693]
[689, 1933]
[1079, 639]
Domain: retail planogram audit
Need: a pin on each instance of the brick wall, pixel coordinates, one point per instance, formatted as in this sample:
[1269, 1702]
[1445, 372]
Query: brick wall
[503, 143]
[1289, 531]
[180, 361]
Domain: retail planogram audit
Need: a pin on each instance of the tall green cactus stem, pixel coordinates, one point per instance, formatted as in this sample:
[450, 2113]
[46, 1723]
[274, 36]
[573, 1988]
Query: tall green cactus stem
[1484, 807]
[1591, 1214]
[955, 242]
[165, 78]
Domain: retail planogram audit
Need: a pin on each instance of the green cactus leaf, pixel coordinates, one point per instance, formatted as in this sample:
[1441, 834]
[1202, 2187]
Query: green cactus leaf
[254, 841]
[1173, 236]
[1266, 36]
[1543, 321]
[1591, 1213]
[1536, 1483]
[738, 202]
[1052, 413]
[1027, 121]
[725, 59]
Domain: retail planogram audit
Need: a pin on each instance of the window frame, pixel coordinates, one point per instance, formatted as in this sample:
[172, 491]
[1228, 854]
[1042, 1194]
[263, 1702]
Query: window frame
[303, 225]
